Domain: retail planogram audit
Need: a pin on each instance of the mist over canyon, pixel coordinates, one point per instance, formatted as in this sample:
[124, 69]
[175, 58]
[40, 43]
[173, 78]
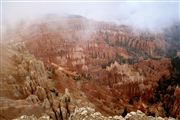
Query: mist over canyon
[95, 61]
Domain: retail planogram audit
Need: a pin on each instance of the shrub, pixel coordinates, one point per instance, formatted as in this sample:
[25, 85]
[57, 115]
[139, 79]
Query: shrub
[78, 77]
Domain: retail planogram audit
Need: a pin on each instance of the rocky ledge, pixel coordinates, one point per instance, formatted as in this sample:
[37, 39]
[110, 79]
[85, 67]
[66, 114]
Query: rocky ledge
[87, 113]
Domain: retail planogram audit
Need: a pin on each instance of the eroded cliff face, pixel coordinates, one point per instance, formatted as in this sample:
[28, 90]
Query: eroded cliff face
[26, 87]
[74, 42]
[78, 62]
[121, 87]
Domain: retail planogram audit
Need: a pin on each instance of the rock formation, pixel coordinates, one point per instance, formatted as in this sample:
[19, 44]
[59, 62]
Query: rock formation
[26, 88]
[87, 113]
[68, 68]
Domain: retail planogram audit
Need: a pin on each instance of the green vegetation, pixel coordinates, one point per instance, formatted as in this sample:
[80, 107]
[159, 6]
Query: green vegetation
[165, 90]
[106, 38]
[176, 63]
[172, 36]
[78, 77]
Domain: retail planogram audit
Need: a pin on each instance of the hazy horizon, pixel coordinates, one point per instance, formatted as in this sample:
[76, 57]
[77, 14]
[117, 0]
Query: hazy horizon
[148, 15]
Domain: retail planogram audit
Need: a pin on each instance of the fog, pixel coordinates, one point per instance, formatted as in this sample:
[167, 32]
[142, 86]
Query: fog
[143, 15]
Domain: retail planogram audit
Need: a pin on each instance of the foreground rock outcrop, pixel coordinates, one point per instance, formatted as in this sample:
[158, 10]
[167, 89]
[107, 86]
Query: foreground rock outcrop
[26, 87]
[87, 113]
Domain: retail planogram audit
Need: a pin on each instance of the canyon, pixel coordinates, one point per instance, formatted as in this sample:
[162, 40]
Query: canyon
[56, 67]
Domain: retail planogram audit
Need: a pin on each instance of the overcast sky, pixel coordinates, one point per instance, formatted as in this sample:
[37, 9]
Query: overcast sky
[140, 14]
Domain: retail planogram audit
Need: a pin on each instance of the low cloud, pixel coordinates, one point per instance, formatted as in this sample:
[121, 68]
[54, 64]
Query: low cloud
[148, 15]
